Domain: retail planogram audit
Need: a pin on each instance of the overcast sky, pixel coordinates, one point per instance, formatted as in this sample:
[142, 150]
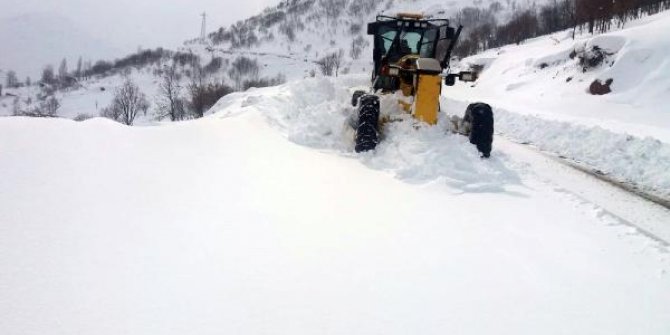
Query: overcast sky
[147, 23]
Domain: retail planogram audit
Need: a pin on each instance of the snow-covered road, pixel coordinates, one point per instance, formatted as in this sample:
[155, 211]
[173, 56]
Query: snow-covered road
[259, 220]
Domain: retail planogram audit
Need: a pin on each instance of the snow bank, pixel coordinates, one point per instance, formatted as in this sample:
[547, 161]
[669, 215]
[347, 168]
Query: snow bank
[315, 113]
[643, 162]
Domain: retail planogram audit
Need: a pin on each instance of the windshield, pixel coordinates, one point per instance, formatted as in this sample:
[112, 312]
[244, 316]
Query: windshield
[410, 42]
[388, 38]
[427, 48]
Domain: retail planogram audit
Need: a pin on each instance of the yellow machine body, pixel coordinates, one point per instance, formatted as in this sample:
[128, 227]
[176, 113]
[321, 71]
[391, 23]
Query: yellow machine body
[427, 98]
[420, 79]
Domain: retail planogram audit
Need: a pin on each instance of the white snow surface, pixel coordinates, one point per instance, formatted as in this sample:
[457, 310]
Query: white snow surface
[258, 219]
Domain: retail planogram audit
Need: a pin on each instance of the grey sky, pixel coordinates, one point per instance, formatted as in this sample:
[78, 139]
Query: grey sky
[131, 23]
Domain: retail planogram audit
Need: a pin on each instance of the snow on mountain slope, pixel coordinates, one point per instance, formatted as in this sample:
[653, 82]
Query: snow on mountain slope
[226, 225]
[307, 30]
[285, 40]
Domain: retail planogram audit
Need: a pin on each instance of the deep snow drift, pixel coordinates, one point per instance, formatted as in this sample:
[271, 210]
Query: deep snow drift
[258, 219]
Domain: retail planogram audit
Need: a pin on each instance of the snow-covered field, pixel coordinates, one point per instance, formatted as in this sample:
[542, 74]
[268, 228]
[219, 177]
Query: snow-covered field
[258, 219]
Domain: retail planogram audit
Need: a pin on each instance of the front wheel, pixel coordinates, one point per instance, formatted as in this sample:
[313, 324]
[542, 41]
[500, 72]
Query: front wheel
[479, 116]
[367, 134]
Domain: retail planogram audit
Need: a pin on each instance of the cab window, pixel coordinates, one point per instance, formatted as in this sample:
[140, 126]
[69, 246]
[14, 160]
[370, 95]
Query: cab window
[409, 42]
[428, 44]
[387, 38]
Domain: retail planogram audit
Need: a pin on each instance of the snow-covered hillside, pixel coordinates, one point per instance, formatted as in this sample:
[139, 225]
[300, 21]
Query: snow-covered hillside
[285, 40]
[307, 30]
[540, 76]
[258, 219]
[542, 96]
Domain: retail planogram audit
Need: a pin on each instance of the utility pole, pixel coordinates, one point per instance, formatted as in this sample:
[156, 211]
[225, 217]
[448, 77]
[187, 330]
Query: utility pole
[203, 31]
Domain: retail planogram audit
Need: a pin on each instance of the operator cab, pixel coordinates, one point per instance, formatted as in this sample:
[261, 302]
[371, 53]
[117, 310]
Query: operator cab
[408, 35]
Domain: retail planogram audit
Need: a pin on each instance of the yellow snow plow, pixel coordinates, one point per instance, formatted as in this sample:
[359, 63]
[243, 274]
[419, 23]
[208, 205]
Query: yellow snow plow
[411, 57]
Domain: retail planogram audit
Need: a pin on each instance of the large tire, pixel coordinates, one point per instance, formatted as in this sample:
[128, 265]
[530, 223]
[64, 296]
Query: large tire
[480, 117]
[367, 134]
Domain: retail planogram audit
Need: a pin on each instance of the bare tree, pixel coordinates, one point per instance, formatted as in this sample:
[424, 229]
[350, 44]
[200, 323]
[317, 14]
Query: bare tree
[50, 107]
[358, 44]
[12, 80]
[29, 81]
[48, 76]
[87, 70]
[338, 58]
[80, 68]
[127, 103]
[16, 107]
[62, 70]
[326, 65]
[243, 68]
[170, 102]
[330, 64]
[47, 108]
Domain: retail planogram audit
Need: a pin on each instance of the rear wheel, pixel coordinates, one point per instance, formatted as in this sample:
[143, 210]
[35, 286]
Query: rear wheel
[480, 117]
[367, 134]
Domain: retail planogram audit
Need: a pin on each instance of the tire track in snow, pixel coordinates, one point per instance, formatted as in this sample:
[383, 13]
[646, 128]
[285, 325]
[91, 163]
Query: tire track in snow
[612, 204]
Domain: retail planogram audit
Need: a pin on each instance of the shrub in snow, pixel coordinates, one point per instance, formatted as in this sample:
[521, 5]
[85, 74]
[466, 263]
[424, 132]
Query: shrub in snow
[243, 68]
[12, 80]
[100, 68]
[264, 82]
[48, 107]
[330, 64]
[591, 58]
[203, 97]
[185, 58]
[82, 117]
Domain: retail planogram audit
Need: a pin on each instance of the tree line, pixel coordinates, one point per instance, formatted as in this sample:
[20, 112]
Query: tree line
[592, 16]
